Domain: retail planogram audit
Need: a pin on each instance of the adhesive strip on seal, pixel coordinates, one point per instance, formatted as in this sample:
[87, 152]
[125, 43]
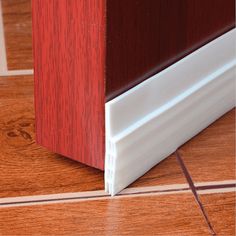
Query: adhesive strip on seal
[150, 121]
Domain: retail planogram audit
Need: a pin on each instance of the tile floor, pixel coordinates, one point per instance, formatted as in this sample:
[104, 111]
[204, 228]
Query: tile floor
[42, 193]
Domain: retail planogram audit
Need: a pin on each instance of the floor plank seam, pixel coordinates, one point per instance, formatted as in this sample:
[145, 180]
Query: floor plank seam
[92, 198]
[20, 72]
[101, 195]
[216, 186]
[194, 191]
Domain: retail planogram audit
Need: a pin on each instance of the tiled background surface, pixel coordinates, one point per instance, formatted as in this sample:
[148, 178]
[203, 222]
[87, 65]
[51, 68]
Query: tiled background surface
[18, 36]
[27, 169]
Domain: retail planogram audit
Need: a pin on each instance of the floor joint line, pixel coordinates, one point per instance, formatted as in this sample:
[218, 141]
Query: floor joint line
[129, 192]
[194, 190]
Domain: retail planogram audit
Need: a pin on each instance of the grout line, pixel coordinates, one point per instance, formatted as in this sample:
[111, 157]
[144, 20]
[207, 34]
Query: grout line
[217, 186]
[212, 191]
[3, 55]
[95, 198]
[194, 191]
[94, 194]
[102, 195]
[16, 72]
[215, 183]
[53, 197]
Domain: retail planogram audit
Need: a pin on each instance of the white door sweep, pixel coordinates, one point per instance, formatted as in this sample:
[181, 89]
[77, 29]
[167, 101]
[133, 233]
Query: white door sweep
[150, 121]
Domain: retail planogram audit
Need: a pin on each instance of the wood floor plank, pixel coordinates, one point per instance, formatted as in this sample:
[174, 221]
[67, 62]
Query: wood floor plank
[18, 36]
[220, 208]
[166, 172]
[14, 88]
[210, 156]
[152, 215]
[28, 169]
[25, 167]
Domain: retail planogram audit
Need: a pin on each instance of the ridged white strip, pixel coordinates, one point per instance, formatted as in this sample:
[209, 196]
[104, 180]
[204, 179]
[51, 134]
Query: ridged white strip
[150, 121]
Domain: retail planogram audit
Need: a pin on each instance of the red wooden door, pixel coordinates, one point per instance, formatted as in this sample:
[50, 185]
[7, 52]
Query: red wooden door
[87, 52]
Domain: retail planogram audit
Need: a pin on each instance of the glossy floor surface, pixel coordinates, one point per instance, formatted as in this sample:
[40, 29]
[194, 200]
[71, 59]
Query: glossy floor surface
[42, 193]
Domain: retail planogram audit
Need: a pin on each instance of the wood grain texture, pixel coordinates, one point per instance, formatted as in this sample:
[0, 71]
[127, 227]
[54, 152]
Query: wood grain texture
[221, 210]
[166, 172]
[210, 156]
[28, 169]
[95, 49]
[144, 37]
[69, 50]
[18, 34]
[156, 215]
[25, 167]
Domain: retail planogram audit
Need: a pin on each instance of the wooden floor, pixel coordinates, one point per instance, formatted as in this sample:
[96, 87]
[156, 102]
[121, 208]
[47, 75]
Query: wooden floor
[17, 22]
[42, 193]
